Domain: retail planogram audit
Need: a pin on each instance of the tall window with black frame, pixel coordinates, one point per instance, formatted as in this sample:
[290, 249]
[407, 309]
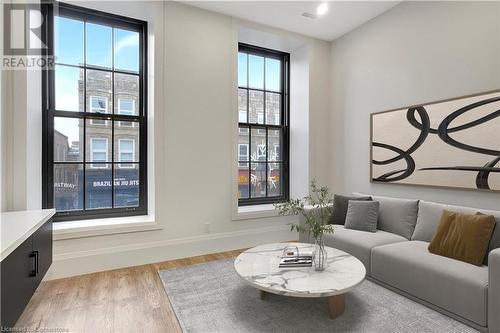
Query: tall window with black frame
[263, 132]
[95, 114]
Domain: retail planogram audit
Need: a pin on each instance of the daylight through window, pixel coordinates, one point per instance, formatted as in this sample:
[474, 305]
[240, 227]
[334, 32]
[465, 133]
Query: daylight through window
[95, 111]
[263, 125]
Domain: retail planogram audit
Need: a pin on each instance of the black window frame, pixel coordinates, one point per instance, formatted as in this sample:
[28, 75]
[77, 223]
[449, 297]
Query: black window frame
[50, 10]
[284, 126]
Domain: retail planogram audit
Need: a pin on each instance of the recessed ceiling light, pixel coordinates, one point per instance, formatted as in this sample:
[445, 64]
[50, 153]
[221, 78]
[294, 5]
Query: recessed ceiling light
[322, 9]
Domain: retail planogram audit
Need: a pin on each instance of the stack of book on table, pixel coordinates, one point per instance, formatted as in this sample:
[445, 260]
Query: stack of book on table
[292, 259]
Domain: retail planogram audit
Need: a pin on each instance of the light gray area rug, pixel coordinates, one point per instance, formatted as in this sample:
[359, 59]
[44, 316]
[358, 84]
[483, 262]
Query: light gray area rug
[211, 297]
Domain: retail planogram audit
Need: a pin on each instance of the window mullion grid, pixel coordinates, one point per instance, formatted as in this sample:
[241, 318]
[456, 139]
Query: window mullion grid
[267, 158]
[264, 93]
[249, 161]
[285, 110]
[112, 111]
[83, 115]
[249, 131]
[266, 129]
[112, 158]
[142, 98]
[84, 153]
[96, 68]
[250, 88]
[248, 94]
[84, 159]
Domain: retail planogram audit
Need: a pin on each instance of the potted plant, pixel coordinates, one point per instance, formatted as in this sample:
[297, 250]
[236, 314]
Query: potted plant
[316, 208]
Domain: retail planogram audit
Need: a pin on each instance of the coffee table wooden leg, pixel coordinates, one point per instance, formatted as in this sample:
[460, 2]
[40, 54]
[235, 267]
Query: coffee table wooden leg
[336, 305]
[263, 294]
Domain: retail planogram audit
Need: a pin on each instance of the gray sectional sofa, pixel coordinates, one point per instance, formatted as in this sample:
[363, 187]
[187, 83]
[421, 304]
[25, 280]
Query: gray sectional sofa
[396, 257]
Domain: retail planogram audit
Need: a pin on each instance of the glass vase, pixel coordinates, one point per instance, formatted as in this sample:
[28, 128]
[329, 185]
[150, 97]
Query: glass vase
[320, 255]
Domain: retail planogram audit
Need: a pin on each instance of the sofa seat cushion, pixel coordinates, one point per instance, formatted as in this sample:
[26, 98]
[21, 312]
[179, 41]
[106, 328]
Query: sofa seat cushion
[453, 285]
[360, 243]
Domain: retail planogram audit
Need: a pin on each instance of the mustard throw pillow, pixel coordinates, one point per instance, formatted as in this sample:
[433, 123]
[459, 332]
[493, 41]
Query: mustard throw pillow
[463, 237]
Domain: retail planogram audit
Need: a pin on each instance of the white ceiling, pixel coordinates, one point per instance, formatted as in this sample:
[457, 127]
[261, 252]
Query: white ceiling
[342, 16]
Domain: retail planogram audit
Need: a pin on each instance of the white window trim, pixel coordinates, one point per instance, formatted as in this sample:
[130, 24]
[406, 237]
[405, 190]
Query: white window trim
[98, 166]
[98, 97]
[127, 112]
[240, 113]
[299, 129]
[69, 229]
[239, 154]
[92, 121]
[130, 165]
[99, 227]
[254, 212]
[260, 118]
[123, 122]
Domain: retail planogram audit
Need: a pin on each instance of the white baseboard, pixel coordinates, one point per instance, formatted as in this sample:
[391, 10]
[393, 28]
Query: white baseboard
[103, 259]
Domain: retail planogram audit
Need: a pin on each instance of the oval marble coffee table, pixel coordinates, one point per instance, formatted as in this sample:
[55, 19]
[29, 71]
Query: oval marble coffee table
[258, 266]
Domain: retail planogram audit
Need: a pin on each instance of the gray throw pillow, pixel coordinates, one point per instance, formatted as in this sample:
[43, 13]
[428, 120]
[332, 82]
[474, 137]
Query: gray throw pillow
[340, 203]
[397, 216]
[362, 215]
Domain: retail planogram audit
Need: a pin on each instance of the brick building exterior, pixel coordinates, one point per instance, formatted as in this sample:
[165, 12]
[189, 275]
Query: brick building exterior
[99, 145]
[256, 102]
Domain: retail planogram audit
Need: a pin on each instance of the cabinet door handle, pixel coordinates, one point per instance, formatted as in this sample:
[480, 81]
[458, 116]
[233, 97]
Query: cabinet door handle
[34, 263]
[37, 256]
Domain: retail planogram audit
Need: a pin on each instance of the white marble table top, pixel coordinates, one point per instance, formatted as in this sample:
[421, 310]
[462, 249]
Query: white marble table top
[258, 266]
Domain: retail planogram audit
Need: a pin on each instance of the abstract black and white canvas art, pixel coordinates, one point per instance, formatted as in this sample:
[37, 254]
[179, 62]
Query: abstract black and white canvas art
[452, 143]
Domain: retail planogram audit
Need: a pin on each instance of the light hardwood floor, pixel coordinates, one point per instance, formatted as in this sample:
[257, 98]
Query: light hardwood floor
[123, 300]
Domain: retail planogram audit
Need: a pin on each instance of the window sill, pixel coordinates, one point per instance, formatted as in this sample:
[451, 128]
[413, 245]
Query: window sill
[99, 227]
[254, 212]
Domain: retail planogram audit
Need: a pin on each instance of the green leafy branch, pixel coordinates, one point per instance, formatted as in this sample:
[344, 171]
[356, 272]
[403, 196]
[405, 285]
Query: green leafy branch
[316, 208]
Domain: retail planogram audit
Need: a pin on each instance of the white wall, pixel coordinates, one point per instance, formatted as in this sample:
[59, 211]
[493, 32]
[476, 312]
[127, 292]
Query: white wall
[320, 113]
[2, 141]
[415, 53]
[192, 69]
[299, 121]
[20, 143]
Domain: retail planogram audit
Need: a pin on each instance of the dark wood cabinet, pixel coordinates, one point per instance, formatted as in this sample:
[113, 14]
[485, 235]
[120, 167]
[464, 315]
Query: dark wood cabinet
[42, 246]
[22, 271]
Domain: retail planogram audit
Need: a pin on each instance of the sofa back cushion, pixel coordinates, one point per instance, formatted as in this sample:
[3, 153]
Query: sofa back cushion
[340, 204]
[397, 216]
[429, 216]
